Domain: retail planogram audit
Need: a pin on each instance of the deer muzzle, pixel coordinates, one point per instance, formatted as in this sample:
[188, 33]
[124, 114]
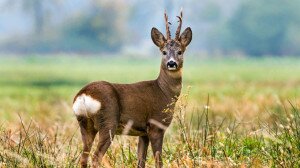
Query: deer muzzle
[172, 65]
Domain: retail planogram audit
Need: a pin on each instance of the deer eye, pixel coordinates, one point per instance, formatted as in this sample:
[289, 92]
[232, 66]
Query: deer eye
[164, 53]
[179, 52]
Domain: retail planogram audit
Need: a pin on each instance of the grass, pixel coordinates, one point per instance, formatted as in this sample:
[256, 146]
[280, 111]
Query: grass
[250, 119]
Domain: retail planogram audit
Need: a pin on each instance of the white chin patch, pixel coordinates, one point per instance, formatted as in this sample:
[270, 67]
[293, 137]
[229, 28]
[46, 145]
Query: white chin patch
[171, 68]
[85, 105]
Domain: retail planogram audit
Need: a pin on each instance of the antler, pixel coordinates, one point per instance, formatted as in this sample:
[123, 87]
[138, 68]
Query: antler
[168, 34]
[177, 35]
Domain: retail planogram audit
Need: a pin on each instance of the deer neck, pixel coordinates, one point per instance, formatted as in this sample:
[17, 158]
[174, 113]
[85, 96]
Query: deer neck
[170, 82]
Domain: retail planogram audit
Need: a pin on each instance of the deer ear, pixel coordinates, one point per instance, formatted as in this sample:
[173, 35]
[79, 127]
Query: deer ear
[157, 37]
[186, 37]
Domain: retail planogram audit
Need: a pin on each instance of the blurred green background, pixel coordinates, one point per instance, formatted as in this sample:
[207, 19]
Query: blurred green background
[220, 27]
[44, 87]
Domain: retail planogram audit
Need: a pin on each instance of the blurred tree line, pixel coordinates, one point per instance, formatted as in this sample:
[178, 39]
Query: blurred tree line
[255, 28]
[101, 28]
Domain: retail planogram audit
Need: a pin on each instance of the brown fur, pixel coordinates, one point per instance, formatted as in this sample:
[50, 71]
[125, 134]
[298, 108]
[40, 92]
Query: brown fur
[140, 103]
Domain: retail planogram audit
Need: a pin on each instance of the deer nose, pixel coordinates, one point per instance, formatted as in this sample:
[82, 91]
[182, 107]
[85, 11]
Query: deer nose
[172, 65]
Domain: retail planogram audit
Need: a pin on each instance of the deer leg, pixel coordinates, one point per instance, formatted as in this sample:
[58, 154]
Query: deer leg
[106, 122]
[88, 133]
[156, 136]
[105, 139]
[142, 150]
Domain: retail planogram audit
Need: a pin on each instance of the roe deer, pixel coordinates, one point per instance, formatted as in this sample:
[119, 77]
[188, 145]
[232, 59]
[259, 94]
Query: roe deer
[106, 108]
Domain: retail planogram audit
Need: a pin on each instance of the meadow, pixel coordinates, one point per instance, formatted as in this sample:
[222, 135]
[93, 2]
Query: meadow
[233, 112]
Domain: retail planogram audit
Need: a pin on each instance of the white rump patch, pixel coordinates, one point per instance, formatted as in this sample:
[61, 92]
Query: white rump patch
[85, 105]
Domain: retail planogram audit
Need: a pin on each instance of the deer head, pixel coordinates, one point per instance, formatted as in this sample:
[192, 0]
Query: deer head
[172, 49]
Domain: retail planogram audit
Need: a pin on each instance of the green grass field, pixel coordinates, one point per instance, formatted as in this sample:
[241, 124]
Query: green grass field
[252, 119]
